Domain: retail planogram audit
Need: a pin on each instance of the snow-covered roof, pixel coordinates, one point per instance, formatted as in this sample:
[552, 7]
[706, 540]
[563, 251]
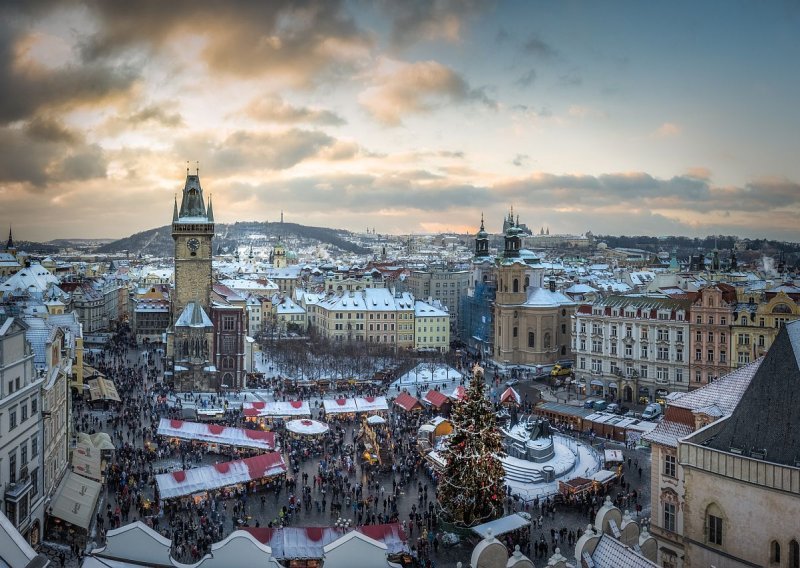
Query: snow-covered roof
[544, 298]
[216, 434]
[277, 408]
[424, 309]
[187, 482]
[339, 405]
[193, 315]
[307, 427]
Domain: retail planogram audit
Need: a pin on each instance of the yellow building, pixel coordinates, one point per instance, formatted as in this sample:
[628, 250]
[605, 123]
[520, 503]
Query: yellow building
[431, 327]
[757, 319]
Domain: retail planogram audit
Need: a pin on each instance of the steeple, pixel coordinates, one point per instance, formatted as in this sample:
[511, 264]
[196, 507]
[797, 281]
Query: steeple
[192, 203]
[482, 242]
[210, 211]
[175, 210]
[10, 243]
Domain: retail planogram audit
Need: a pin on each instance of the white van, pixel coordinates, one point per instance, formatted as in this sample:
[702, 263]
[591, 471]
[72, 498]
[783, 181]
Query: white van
[652, 411]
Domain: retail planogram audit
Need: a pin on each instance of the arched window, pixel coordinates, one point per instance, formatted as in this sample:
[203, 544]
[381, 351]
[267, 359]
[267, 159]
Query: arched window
[527, 282]
[775, 552]
[531, 339]
[714, 522]
[515, 331]
[794, 554]
[781, 309]
[515, 285]
[547, 340]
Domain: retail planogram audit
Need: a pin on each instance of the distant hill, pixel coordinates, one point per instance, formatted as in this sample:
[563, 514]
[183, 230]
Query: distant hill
[158, 242]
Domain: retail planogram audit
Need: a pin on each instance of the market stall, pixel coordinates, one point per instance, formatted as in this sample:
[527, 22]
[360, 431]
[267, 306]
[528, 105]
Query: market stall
[437, 401]
[510, 397]
[458, 393]
[371, 404]
[215, 435]
[249, 471]
[408, 402]
[340, 407]
[307, 427]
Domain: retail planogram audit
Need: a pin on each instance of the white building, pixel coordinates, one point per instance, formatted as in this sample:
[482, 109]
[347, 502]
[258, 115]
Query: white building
[632, 348]
[431, 327]
[20, 431]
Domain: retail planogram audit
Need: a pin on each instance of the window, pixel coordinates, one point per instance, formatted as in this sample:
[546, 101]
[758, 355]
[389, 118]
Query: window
[582, 362]
[24, 412]
[12, 467]
[698, 377]
[532, 340]
[698, 336]
[663, 335]
[710, 320]
[662, 373]
[723, 338]
[678, 375]
[645, 354]
[714, 525]
[583, 345]
[597, 365]
[34, 482]
[698, 354]
[23, 457]
[711, 337]
[669, 517]
[761, 342]
[723, 357]
[628, 351]
[794, 554]
[628, 331]
[34, 447]
[699, 319]
[228, 323]
[643, 371]
[679, 355]
[775, 552]
[12, 419]
[515, 332]
[613, 331]
[643, 333]
[723, 320]
[663, 353]
[679, 336]
[613, 347]
[597, 346]
[710, 356]
[669, 465]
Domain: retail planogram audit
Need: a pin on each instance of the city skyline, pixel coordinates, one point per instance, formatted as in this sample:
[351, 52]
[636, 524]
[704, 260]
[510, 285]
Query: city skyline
[621, 118]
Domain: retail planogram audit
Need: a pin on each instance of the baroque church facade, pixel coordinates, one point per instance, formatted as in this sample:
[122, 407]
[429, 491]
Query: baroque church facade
[205, 342]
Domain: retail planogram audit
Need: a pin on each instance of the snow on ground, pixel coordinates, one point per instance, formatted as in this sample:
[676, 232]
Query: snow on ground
[421, 375]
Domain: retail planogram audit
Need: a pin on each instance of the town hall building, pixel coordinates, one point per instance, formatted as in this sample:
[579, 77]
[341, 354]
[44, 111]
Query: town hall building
[205, 342]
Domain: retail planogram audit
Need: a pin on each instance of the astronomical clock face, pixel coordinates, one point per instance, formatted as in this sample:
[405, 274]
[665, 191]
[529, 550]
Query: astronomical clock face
[193, 245]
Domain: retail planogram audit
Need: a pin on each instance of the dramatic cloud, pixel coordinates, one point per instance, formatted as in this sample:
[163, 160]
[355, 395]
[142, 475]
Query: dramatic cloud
[291, 40]
[418, 87]
[272, 108]
[414, 20]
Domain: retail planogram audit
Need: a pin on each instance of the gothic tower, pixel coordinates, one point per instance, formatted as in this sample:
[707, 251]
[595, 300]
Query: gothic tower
[192, 231]
[482, 242]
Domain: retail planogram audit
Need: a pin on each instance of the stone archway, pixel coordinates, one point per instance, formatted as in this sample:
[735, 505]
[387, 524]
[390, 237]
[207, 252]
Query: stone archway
[627, 393]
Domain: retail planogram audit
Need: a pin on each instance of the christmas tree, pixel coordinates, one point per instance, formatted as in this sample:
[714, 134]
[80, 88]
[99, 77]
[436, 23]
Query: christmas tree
[471, 487]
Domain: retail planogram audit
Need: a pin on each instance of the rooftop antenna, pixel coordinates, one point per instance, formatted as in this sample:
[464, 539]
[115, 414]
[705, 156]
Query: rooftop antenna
[187, 167]
[198, 167]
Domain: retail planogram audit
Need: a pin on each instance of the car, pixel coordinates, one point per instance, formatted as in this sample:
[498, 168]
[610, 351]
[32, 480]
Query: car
[512, 382]
[630, 414]
[614, 408]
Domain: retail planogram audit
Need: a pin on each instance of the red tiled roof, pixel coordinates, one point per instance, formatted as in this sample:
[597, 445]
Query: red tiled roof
[435, 398]
[406, 401]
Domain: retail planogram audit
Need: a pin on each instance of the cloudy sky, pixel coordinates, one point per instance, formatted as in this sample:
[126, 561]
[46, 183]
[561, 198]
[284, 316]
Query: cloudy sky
[408, 116]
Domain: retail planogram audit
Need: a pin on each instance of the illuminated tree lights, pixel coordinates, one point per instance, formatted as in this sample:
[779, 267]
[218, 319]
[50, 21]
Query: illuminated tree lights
[471, 487]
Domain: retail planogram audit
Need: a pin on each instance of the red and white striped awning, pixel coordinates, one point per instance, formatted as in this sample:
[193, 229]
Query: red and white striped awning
[190, 481]
[216, 434]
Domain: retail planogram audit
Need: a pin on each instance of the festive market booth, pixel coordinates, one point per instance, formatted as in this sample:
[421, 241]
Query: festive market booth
[438, 401]
[210, 414]
[342, 408]
[510, 397]
[72, 509]
[215, 436]
[309, 547]
[429, 433]
[371, 404]
[307, 427]
[458, 393]
[250, 472]
[408, 402]
[502, 525]
[278, 409]
[376, 443]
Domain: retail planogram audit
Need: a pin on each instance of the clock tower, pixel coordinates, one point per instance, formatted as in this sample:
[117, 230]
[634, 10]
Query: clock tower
[190, 339]
[192, 231]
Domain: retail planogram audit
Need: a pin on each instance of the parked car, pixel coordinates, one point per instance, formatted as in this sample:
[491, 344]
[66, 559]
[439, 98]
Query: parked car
[600, 405]
[512, 382]
[589, 402]
[614, 408]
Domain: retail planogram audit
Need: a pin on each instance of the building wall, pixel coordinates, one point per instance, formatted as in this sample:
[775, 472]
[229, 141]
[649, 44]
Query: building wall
[20, 437]
[748, 509]
[752, 336]
[667, 488]
[192, 273]
[631, 356]
[710, 338]
[432, 332]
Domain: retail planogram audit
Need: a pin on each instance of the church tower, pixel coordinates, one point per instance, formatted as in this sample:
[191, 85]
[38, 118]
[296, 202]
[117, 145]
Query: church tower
[482, 242]
[192, 231]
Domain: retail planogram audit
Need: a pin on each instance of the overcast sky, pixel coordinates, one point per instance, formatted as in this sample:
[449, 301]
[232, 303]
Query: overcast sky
[408, 116]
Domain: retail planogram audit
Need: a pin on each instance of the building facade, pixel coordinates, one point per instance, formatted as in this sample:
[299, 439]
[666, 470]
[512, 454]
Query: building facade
[757, 319]
[710, 338]
[448, 287]
[632, 348]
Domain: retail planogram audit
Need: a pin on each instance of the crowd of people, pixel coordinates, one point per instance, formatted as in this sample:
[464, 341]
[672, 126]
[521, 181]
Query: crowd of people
[328, 477]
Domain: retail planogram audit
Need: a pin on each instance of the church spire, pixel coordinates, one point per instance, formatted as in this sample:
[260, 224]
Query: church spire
[175, 210]
[10, 243]
[210, 211]
[192, 203]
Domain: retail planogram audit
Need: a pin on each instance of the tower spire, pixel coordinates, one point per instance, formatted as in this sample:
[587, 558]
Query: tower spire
[210, 210]
[482, 228]
[175, 210]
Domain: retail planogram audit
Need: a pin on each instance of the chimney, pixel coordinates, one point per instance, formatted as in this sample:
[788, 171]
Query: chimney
[552, 285]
